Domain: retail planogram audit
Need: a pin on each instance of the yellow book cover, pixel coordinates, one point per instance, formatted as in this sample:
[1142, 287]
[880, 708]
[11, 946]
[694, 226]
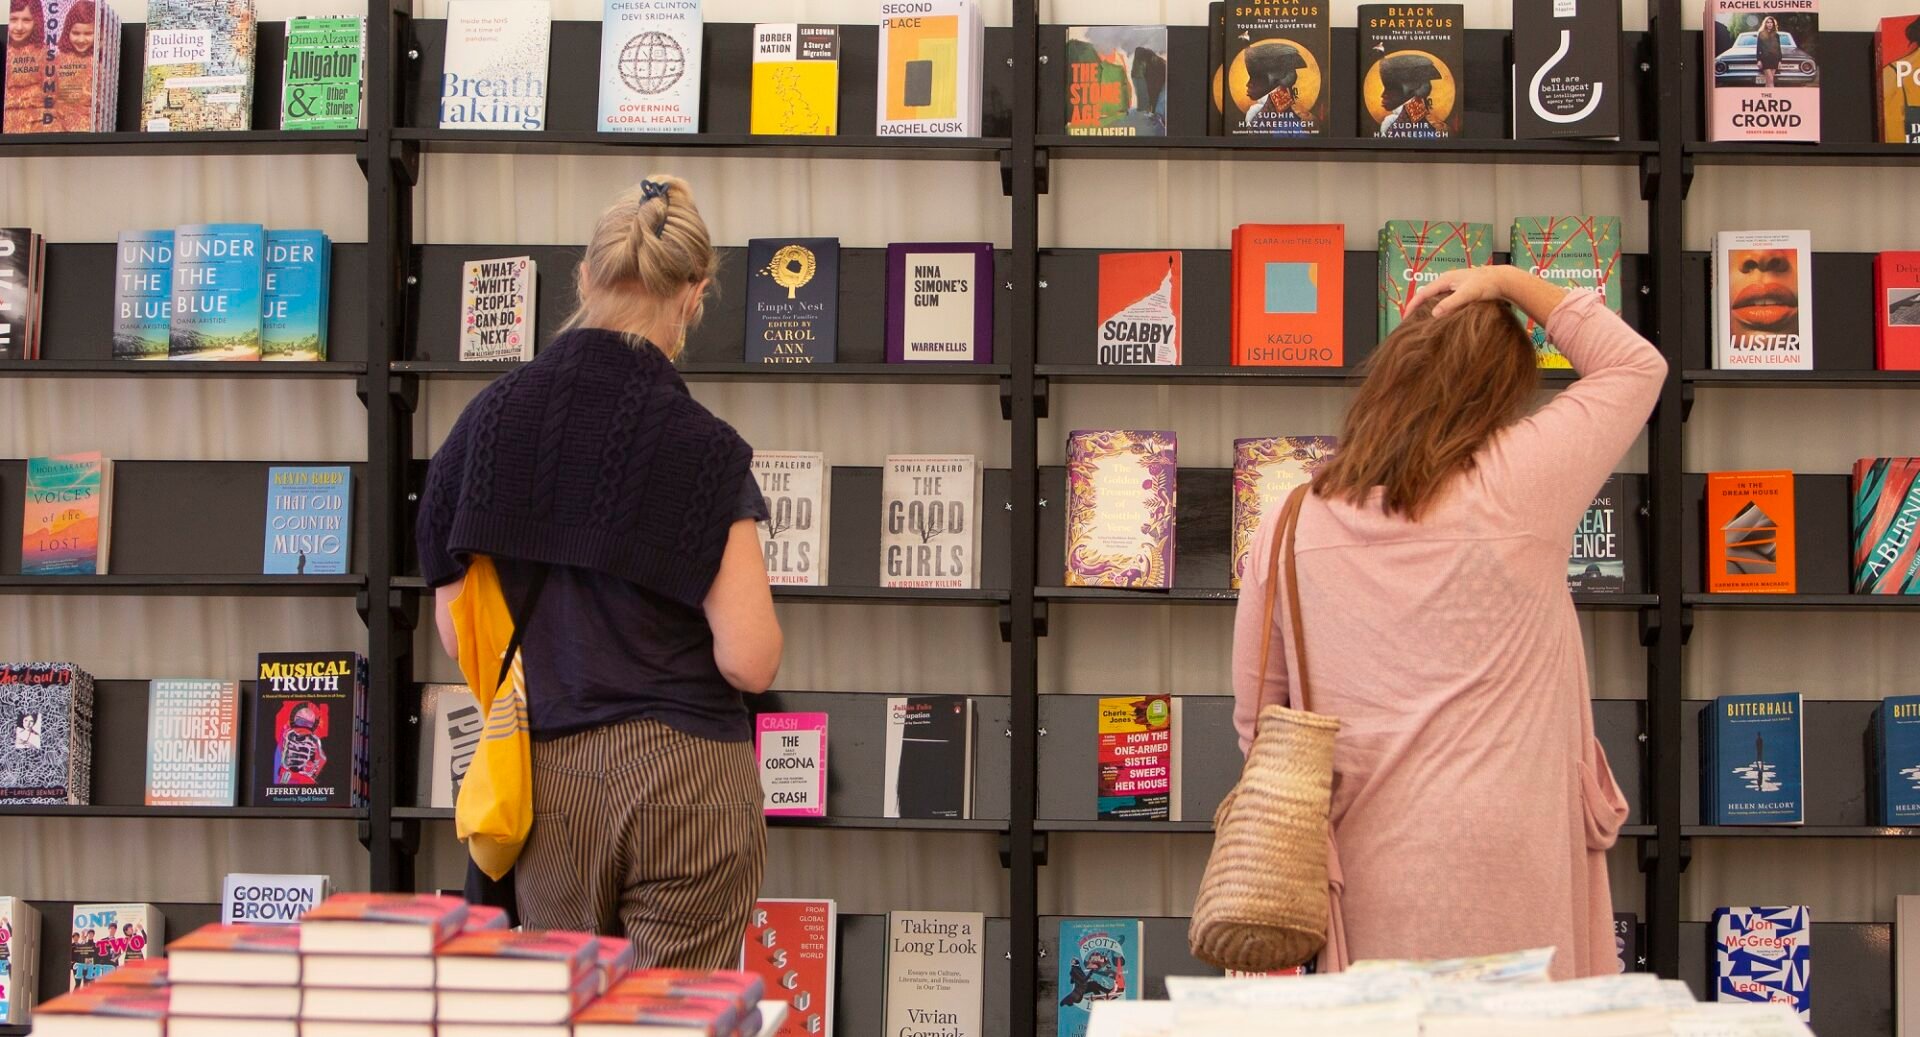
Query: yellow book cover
[796, 80]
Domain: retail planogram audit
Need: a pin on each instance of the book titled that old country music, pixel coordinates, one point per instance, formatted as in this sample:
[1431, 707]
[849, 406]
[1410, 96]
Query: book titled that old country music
[929, 528]
[1572, 252]
[309, 743]
[1139, 309]
[1117, 81]
[940, 302]
[1886, 514]
[495, 75]
[1277, 69]
[1566, 75]
[1896, 52]
[1763, 300]
[1135, 758]
[193, 743]
[68, 526]
[1265, 470]
[200, 61]
[1896, 295]
[1412, 71]
[1121, 501]
[793, 539]
[1763, 70]
[1750, 533]
[1288, 295]
[796, 80]
[793, 300]
[649, 66]
[219, 285]
[1414, 252]
[309, 528]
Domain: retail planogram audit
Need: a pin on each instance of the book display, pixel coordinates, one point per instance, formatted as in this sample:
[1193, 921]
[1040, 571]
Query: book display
[22, 284]
[649, 66]
[796, 80]
[496, 65]
[324, 74]
[200, 64]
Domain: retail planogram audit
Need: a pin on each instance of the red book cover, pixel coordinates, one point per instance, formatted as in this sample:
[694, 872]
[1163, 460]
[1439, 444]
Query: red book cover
[484, 916]
[1750, 533]
[578, 950]
[1139, 308]
[242, 939]
[614, 957]
[1896, 53]
[117, 999]
[790, 945]
[713, 1016]
[444, 914]
[743, 989]
[77, 67]
[1289, 291]
[1896, 292]
[141, 972]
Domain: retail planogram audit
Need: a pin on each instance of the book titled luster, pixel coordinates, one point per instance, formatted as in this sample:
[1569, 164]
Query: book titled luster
[1277, 69]
[1896, 53]
[1896, 741]
[796, 80]
[67, 529]
[1288, 295]
[1135, 758]
[1750, 533]
[142, 294]
[1265, 471]
[929, 757]
[1117, 81]
[1412, 71]
[936, 972]
[940, 302]
[1139, 309]
[792, 945]
[309, 520]
[107, 936]
[1763, 70]
[929, 522]
[1896, 298]
[219, 278]
[1596, 564]
[46, 750]
[1099, 960]
[193, 743]
[200, 60]
[650, 66]
[1566, 69]
[1764, 954]
[1415, 252]
[1885, 514]
[308, 747]
[321, 84]
[794, 540]
[1763, 300]
[792, 752]
[1122, 494]
[497, 304]
[298, 265]
[793, 300]
[1754, 766]
[495, 73]
[929, 69]
[1572, 252]
[250, 899]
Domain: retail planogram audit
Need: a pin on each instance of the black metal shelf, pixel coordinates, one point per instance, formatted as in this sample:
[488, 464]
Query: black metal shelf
[196, 584]
[199, 813]
[1797, 832]
[862, 824]
[559, 142]
[979, 374]
[1825, 153]
[1802, 379]
[1126, 827]
[184, 145]
[179, 369]
[1198, 374]
[1804, 602]
[837, 595]
[1354, 149]
[1227, 596]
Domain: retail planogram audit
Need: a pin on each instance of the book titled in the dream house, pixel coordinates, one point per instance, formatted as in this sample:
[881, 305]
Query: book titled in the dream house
[219, 281]
[1139, 309]
[1121, 496]
[309, 743]
[1886, 513]
[1572, 252]
[193, 743]
[1265, 471]
[1117, 81]
[929, 522]
[649, 66]
[142, 294]
[309, 520]
[1596, 564]
[200, 63]
[1750, 533]
[1566, 75]
[497, 304]
[1763, 300]
[495, 73]
[1278, 71]
[321, 88]
[293, 308]
[1412, 71]
[793, 300]
[1763, 70]
[794, 539]
[791, 749]
[940, 302]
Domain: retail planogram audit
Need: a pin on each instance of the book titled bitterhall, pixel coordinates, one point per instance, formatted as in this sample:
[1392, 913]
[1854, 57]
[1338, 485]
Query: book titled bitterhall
[1100, 960]
[793, 539]
[1896, 294]
[497, 304]
[1265, 471]
[650, 66]
[930, 75]
[1896, 52]
[1755, 765]
[1566, 74]
[792, 752]
[107, 936]
[1572, 252]
[1412, 71]
[929, 757]
[1139, 309]
[306, 747]
[1277, 69]
[1288, 295]
[68, 525]
[321, 87]
[1763, 300]
[936, 966]
[1415, 252]
[1750, 533]
[940, 302]
[1896, 738]
[142, 294]
[193, 743]
[1122, 492]
[1886, 513]
[793, 300]
[1117, 81]
[293, 311]
[791, 945]
[219, 278]
[1596, 565]
[46, 749]
[309, 520]
[1764, 954]
[929, 528]
[1135, 758]
[200, 58]
[495, 74]
[1763, 69]
[796, 80]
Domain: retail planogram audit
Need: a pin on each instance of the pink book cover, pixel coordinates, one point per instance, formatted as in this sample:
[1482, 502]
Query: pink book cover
[1762, 70]
[29, 52]
[80, 56]
[791, 749]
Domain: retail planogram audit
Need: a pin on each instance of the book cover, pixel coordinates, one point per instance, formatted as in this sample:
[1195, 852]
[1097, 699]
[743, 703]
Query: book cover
[451, 723]
[1886, 510]
[293, 308]
[31, 53]
[577, 951]
[17, 301]
[1415, 252]
[219, 278]
[1626, 941]
[1572, 252]
[80, 62]
[1750, 533]
[1896, 53]
[1265, 471]
[495, 73]
[1216, 68]
[69, 513]
[497, 302]
[929, 75]
[321, 84]
[1139, 309]
[1413, 63]
[148, 973]
[614, 956]
[1764, 954]
[791, 749]
[792, 945]
[649, 66]
[305, 749]
[1896, 290]
[1566, 74]
[124, 1002]
[1896, 736]
[1099, 961]
[793, 300]
[1277, 63]
[1757, 767]
[441, 916]
[1595, 565]
[271, 899]
[1117, 81]
[46, 750]
[617, 1014]
[1122, 496]
[929, 528]
[936, 973]
[794, 538]
[1289, 295]
[1762, 70]
[796, 80]
[199, 74]
[309, 520]
[19, 960]
[929, 757]
[1763, 300]
[142, 294]
[107, 936]
[193, 743]
[940, 302]
[1135, 758]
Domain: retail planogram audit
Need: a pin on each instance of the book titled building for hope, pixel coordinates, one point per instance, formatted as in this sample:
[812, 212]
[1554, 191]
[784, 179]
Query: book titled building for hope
[495, 73]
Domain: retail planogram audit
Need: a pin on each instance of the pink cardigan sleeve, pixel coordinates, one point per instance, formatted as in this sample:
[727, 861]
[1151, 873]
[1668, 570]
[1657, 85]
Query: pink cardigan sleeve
[1250, 693]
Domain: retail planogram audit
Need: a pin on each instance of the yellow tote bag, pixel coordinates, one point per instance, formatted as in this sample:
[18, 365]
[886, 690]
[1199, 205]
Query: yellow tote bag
[495, 810]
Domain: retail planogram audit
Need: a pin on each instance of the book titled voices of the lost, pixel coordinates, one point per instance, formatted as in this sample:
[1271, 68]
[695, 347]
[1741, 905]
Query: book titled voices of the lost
[200, 62]
[497, 306]
[1288, 295]
[1135, 758]
[1566, 69]
[1885, 515]
[309, 520]
[1116, 81]
[940, 302]
[46, 749]
[1265, 471]
[929, 522]
[219, 282]
[1596, 564]
[1139, 309]
[68, 526]
[1277, 72]
[936, 973]
[1896, 54]
[930, 68]
[1763, 300]
[495, 73]
[247, 899]
[107, 936]
[1122, 494]
[791, 749]
[1750, 531]
[1896, 759]
[793, 300]
[929, 757]
[298, 270]
[1416, 252]
[1754, 764]
[649, 66]
[1412, 71]
[796, 80]
[1764, 954]
[451, 723]
[309, 747]
[321, 86]
[142, 294]
[1099, 960]
[1896, 295]
[1763, 70]
[1572, 252]
[794, 539]
[792, 945]
[193, 743]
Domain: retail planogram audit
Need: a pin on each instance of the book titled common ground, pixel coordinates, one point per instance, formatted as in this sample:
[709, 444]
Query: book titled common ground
[650, 66]
[940, 302]
[309, 520]
[1416, 252]
[1572, 252]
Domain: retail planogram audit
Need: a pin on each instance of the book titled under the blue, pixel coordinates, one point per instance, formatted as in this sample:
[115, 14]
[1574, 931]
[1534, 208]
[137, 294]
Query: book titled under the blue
[1754, 760]
[218, 274]
[142, 294]
[309, 520]
[1897, 759]
[293, 317]
[1764, 954]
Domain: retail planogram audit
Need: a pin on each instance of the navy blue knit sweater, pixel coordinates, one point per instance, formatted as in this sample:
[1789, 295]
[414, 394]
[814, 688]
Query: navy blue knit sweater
[592, 455]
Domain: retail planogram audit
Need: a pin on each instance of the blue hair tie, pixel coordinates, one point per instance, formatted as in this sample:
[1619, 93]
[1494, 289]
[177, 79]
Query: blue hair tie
[649, 190]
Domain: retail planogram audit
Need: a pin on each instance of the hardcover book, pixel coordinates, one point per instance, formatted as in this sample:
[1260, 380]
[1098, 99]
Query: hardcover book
[1265, 471]
[30, 51]
[1122, 495]
[1763, 300]
[142, 294]
[794, 538]
[1277, 65]
[199, 76]
[46, 752]
[1415, 252]
[936, 973]
[1216, 68]
[929, 528]
[136, 1011]
[193, 743]
[1100, 960]
[940, 302]
[793, 300]
[930, 75]
[649, 66]
[796, 80]
[1566, 74]
[516, 960]
[19, 292]
[1764, 954]
[382, 923]
[1886, 510]
[1756, 764]
[1413, 63]
[68, 526]
[1117, 81]
[1896, 292]
[1896, 738]
[1572, 252]
[497, 302]
[1139, 309]
[229, 964]
[271, 899]
[741, 990]
[19, 960]
[1595, 564]
[320, 87]
[219, 277]
[309, 520]
[309, 749]
[1288, 294]
[495, 73]
[298, 265]
[929, 757]
[1750, 533]
[1762, 70]
[622, 1015]
[451, 723]
[1896, 52]
[107, 936]
[791, 749]
[792, 945]
[86, 44]
[1626, 941]
[1135, 758]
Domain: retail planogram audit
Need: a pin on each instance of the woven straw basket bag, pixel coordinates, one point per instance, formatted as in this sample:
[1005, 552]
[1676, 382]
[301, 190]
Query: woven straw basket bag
[1263, 901]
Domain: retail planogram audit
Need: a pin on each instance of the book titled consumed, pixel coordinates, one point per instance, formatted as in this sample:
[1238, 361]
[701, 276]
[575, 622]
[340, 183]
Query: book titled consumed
[1117, 81]
[929, 757]
[1413, 66]
[1596, 565]
[309, 520]
[1099, 961]
[1122, 493]
[793, 300]
[495, 73]
[219, 279]
[497, 305]
[193, 743]
[940, 302]
[1265, 471]
[1763, 300]
[1139, 312]
[936, 973]
[1750, 533]
[1754, 766]
[792, 752]
[793, 539]
[792, 945]
[68, 525]
[929, 533]
[309, 745]
[1764, 954]
[1135, 758]
[1886, 513]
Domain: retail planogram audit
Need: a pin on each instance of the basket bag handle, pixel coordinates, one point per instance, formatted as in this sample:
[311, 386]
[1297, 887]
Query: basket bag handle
[1284, 541]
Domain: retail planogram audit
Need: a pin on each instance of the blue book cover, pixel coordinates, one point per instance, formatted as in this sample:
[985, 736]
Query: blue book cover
[218, 276]
[293, 313]
[142, 294]
[1764, 954]
[1756, 763]
[1897, 733]
[309, 520]
[1099, 961]
[793, 300]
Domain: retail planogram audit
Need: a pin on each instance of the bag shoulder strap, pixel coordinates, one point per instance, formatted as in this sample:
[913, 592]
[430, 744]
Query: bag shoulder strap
[521, 621]
[1284, 537]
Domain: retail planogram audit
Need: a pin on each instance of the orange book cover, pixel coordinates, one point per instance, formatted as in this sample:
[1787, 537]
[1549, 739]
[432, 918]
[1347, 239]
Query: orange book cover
[244, 939]
[1750, 533]
[1289, 295]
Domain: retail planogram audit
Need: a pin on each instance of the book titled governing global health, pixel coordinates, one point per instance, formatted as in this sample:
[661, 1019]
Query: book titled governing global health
[1122, 494]
[929, 528]
[1416, 252]
[1265, 471]
[309, 520]
[495, 73]
[940, 302]
[792, 946]
[793, 539]
[1763, 70]
[936, 966]
[68, 525]
[1765, 954]
[200, 60]
[1413, 71]
[219, 279]
[298, 269]
[193, 743]
[791, 749]
[793, 300]
[1135, 758]
[1139, 309]
[308, 745]
[1277, 69]
[1886, 514]
[1566, 74]
[796, 80]
[322, 82]
[1099, 960]
[1763, 300]
[650, 66]
[142, 294]
[1117, 81]
[1572, 252]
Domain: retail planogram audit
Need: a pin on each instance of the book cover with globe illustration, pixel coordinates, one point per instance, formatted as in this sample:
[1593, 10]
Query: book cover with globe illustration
[650, 66]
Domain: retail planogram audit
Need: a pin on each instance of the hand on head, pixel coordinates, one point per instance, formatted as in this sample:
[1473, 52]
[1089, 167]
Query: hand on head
[1457, 288]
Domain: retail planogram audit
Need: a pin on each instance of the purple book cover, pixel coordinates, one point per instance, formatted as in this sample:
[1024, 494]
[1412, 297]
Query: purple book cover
[940, 302]
[1121, 497]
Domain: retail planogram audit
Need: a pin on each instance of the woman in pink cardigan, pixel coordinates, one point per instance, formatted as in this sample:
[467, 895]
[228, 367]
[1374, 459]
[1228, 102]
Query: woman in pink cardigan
[1472, 807]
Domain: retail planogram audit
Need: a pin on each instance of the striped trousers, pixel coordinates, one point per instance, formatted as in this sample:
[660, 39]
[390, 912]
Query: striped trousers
[642, 831]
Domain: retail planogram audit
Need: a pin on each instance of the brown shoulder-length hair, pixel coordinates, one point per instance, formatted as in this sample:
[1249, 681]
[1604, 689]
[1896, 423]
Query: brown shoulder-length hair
[1436, 391]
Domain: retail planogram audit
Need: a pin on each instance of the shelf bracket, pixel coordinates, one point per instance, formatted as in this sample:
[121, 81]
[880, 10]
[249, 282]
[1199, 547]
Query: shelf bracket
[1039, 850]
[362, 605]
[1039, 621]
[406, 161]
[1650, 625]
[1650, 177]
[1686, 402]
[1650, 854]
[1039, 398]
[405, 390]
[404, 607]
[1040, 165]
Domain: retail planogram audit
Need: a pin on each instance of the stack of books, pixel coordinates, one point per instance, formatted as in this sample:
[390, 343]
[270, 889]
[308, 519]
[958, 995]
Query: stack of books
[370, 964]
[235, 981]
[682, 1001]
[23, 275]
[130, 1001]
[496, 982]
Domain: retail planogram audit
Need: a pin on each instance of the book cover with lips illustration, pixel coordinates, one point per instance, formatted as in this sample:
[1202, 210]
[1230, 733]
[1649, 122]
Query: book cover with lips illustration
[1763, 300]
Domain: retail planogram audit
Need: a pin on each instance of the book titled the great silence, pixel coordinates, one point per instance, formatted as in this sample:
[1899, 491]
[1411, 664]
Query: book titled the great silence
[1566, 74]
[1412, 71]
[936, 973]
[309, 746]
[793, 300]
[1596, 564]
[309, 528]
[1099, 960]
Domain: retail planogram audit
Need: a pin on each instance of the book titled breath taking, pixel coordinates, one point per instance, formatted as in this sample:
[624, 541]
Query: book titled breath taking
[69, 512]
[1763, 300]
[1117, 81]
[1763, 70]
[793, 539]
[793, 300]
[1755, 765]
[940, 302]
[193, 743]
[1764, 954]
[929, 538]
[219, 278]
[649, 66]
[1413, 66]
[796, 80]
[1572, 252]
[1122, 491]
[497, 304]
[200, 58]
[792, 752]
[322, 85]
[1139, 309]
[1416, 252]
[495, 75]
[293, 313]
[1135, 758]
[1265, 471]
[142, 294]
[309, 521]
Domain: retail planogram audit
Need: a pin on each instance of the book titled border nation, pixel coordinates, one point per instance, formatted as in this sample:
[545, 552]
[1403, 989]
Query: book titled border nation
[46, 750]
[1896, 294]
[1740, 103]
[1763, 300]
[321, 85]
[495, 73]
[219, 278]
[309, 520]
[940, 302]
[929, 69]
[1139, 309]
[298, 266]
[1886, 513]
[796, 80]
[1135, 758]
[1896, 53]
[1566, 76]
[649, 66]
[1764, 954]
[1265, 470]
[1572, 252]
[200, 60]
[1413, 61]
[142, 294]
[936, 965]
[1122, 495]
[929, 522]
[107, 936]
[792, 945]
[270, 899]
[1896, 739]
[793, 300]
[1278, 69]
[794, 537]
[1755, 760]
[1415, 252]
[791, 749]
[67, 529]
[1289, 296]
[1100, 960]
[193, 743]
[1117, 81]
[1750, 533]
[308, 748]
[929, 757]
[1595, 565]
[497, 306]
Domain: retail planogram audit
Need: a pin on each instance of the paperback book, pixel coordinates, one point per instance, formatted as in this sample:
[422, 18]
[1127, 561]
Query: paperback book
[1750, 533]
[1265, 471]
[1762, 70]
[1572, 252]
[930, 69]
[1764, 954]
[1896, 53]
[451, 723]
[1566, 69]
[1896, 293]
[30, 52]
[1415, 252]
[86, 56]
[1754, 760]
[193, 743]
[796, 80]
[1413, 62]
[649, 66]
[298, 268]
[793, 300]
[46, 754]
[1288, 295]
[1886, 512]
[21, 287]
[1763, 300]
[229, 970]
[929, 533]
[1896, 744]
[107, 936]
[792, 946]
[936, 973]
[794, 538]
[1117, 81]
[1122, 496]
[19, 960]
[142, 294]
[271, 899]
[200, 58]
[1135, 758]
[1626, 941]
[1596, 565]
[309, 520]
[219, 277]
[1100, 960]
[1277, 66]
[309, 745]
[1139, 309]
[497, 306]
[68, 526]
[321, 85]
[940, 302]
[929, 757]
[495, 73]
[791, 749]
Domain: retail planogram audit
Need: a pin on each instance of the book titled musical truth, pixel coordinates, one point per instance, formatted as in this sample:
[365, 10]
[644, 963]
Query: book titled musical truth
[1412, 70]
[1288, 293]
[142, 294]
[792, 945]
[1100, 960]
[200, 60]
[193, 743]
[930, 68]
[107, 936]
[298, 269]
[1265, 471]
[46, 749]
[793, 300]
[1415, 252]
[649, 66]
[796, 80]
[1572, 252]
[1117, 81]
[929, 757]
[309, 742]
[497, 304]
[1139, 309]
[1896, 296]
[792, 751]
[1886, 512]
[1896, 53]
[929, 528]
[1754, 767]
[936, 973]
[1750, 533]
[1122, 495]
[1762, 69]
[1596, 564]
[1764, 954]
[794, 539]
[495, 73]
[1277, 74]
[219, 279]
[1763, 300]
[940, 302]
[1135, 758]
[309, 520]
[321, 87]
[1566, 74]
[68, 526]
[1896, 757]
